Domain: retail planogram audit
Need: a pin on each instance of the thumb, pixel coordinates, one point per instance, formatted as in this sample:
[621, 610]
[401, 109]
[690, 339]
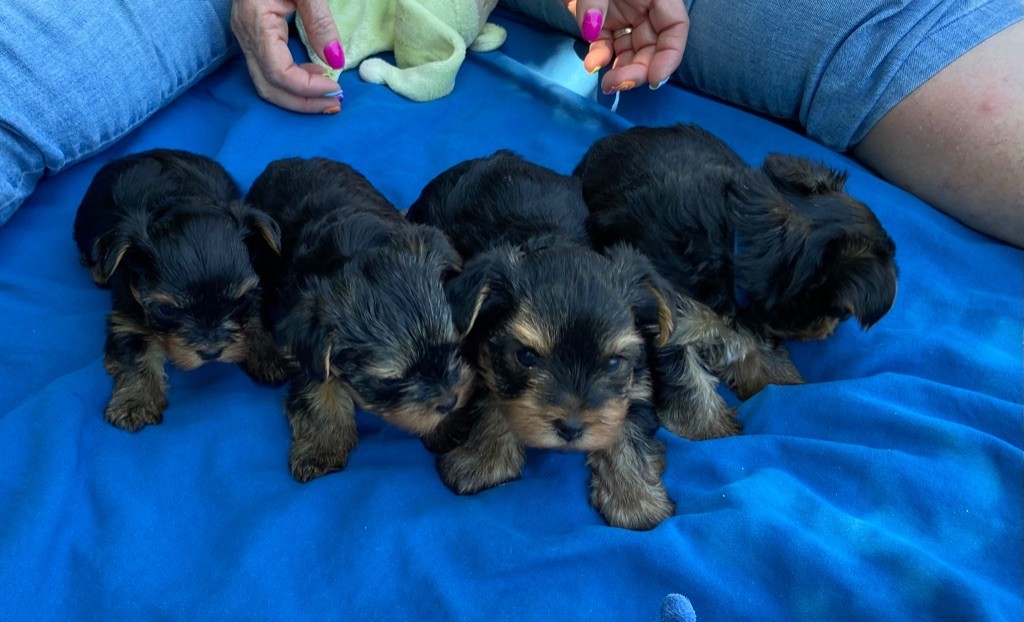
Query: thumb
[322, 32]
[590, 15]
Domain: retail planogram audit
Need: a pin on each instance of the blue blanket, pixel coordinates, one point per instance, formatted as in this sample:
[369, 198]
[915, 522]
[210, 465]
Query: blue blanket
[888, 487]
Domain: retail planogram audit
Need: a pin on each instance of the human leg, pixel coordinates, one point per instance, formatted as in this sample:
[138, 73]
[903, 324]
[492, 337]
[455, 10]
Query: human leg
[958, 140]
[79, 75]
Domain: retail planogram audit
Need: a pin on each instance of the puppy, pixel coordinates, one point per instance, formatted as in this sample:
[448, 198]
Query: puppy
[363, 312]
[779, 252]
[560, 335]
[185, 262]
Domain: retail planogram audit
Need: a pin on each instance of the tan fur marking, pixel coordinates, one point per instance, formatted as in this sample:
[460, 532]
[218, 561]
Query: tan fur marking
[245, 287]
[117, 262]
[140, 391]
[625, 482]
[665, 322]
[490, 456]
[484, 292]
[621, 343]
[530, 334]
[532, 421]
[323, 430]
[697, 412]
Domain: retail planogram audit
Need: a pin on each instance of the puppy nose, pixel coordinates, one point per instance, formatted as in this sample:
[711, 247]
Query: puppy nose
[447, 406]
[209, 354]
[569, 429]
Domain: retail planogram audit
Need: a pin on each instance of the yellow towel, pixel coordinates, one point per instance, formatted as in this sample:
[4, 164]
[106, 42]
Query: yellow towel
[428, 37]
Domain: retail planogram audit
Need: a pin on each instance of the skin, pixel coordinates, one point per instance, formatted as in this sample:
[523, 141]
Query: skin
[647, 55]
[262, 30]
[957, 142]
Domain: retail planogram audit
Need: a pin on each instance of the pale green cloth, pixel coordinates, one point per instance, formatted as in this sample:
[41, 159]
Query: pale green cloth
[428, 37]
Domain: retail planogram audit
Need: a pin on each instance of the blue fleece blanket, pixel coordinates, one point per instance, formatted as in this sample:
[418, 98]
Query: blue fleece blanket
[889, 487]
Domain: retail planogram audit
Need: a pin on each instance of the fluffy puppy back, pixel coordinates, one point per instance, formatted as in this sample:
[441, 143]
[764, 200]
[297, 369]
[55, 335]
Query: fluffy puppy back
[501, 199]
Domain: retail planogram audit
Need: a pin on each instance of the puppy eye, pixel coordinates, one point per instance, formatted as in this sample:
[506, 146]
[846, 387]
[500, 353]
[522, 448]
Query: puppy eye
[616, 364]
[527, 357]
[167, 310]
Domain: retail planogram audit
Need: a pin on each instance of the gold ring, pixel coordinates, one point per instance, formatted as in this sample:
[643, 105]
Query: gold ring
[622, 32]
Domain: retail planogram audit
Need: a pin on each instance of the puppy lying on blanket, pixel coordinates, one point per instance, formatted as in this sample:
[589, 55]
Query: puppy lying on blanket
[364, 312]
[185, 262]
[779, 252]
[561, 336]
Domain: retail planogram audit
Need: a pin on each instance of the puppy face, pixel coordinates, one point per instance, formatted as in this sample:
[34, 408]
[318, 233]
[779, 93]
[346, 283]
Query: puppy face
[384, 328]
[560, 336]
[191, 272]
[813, 256]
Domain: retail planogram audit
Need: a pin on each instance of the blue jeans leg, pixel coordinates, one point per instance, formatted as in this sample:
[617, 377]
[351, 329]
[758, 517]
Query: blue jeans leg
[77, 76]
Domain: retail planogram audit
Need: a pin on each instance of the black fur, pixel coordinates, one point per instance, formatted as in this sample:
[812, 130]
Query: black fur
[558, 331]
[362, 295]
[186, 263]
[786, 237]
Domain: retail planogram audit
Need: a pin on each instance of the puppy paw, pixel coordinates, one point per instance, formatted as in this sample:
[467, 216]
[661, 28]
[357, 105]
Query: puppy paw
[270, 371]
[717, 423]
[467, 472]
[639, 507]
[132, 414]
[309, 460]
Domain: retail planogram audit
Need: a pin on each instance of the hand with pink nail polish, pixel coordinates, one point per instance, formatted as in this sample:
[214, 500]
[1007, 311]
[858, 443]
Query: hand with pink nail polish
[261, 27]
[642, 39]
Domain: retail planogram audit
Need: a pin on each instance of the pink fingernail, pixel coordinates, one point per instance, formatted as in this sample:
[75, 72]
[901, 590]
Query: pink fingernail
[334, 55]
[592, 22]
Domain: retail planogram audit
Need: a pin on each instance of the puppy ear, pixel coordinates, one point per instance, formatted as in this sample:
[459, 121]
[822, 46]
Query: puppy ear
[802, 175]
[306, 334]
[262, 237]
[426, 241]
[481, 296]
[127, 243]
[865, 278]
[650, 295]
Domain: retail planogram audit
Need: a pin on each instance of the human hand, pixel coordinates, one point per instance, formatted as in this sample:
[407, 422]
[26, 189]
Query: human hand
[262, 30]
[649, 48]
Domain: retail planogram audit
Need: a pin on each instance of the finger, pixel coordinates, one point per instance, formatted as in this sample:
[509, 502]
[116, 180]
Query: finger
[600, 53]
[590, 15]
[322, 32]
[284, 99]
[672, 23]
[280, 71]
[626, 73]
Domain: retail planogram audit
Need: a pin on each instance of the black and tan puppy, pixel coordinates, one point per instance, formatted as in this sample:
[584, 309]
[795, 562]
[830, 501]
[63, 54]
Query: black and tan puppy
[561, 336]
[363, 312]
[781, 251]
[185, 262]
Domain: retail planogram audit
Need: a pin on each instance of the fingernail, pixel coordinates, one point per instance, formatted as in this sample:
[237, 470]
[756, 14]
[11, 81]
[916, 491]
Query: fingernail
[335, 93]
[334, 55]
[595, 69]
[332, 110]
[592, 22]
[622, 86]
[655, 87]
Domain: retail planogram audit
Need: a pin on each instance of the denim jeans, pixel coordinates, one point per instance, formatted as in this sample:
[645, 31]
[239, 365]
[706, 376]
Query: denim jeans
[76, 76]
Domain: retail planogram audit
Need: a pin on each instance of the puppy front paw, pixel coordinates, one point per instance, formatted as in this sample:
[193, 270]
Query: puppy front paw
[639, 506]
[308, 459]
[700, 426]
[763, 366]
[467, 472]
[132, 413]
[270, 370]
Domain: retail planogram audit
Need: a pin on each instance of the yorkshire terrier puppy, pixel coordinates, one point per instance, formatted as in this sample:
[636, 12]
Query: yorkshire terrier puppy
[185, 261]
[560, 335]
[778, 252]
[363, 312]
